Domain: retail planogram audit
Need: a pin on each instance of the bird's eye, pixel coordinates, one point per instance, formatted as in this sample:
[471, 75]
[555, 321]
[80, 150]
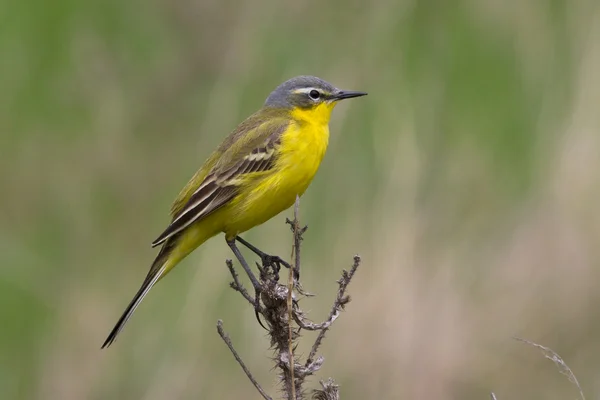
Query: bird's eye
[314, 94]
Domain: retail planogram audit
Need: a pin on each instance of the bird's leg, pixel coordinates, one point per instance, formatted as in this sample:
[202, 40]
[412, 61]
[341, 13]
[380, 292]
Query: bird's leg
[274, 261]
[242, 261]
[257, 285]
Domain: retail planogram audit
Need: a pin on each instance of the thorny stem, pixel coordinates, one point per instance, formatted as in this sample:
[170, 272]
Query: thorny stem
[297, 236]
[338, 305]
[227, 341]
[290, 307]
[236, 284]
[279, 308]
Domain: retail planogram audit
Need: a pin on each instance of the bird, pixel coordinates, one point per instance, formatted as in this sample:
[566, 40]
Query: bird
[256, 173]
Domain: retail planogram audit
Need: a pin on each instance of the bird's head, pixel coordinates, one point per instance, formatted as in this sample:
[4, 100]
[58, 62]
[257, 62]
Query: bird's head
[309, 97]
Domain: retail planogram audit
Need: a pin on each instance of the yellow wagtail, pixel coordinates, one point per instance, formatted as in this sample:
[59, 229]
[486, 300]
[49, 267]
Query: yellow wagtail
[255, 174]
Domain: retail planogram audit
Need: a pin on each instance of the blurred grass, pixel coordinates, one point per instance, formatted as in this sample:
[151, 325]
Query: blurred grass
[467, 179]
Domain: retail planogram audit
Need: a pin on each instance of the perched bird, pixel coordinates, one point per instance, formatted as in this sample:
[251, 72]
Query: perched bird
[255, 174]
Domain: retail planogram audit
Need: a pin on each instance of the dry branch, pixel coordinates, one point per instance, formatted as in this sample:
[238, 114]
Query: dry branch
[278, 306]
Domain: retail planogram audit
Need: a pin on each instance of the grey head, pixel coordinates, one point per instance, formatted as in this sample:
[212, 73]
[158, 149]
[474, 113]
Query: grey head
[307, 92]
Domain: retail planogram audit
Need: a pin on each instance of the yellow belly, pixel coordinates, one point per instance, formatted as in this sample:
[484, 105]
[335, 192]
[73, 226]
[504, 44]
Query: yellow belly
[267, 194]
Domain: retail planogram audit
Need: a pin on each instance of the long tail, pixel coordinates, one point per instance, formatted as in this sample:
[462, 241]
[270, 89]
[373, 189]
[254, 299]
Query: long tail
[157, 271]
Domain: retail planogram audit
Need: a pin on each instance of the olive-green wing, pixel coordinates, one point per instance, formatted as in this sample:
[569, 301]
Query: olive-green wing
[249, 149]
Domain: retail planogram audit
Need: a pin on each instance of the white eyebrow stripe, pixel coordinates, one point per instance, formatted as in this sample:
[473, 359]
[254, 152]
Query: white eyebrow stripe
[306, 90]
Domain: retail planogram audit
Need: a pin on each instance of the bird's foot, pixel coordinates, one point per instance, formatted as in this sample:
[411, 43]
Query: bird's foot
[267, 260]
[275, 262]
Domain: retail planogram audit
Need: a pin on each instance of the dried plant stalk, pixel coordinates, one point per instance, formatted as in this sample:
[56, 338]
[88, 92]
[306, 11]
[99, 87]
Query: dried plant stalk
[278, 306]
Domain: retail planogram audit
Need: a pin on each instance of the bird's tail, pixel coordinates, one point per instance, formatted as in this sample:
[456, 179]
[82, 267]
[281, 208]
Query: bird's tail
[159, 268]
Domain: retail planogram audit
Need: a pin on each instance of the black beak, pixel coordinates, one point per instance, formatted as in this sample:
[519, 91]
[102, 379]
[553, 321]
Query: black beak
[347, 94]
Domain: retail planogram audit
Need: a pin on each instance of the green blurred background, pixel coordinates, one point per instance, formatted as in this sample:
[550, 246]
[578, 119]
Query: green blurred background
[467, 179]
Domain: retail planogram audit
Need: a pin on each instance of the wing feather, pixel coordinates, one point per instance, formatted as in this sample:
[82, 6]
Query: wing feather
[221, 184]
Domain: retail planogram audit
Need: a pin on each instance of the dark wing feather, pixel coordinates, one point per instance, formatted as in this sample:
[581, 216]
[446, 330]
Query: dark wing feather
[219, 187]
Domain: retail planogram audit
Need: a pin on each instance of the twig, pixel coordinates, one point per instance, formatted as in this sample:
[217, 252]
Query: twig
[298, 232]
[338, 305]
[227, 341]
[551, 355]
[311, 326]
[290, 308]
[297, 235]
[237, 285]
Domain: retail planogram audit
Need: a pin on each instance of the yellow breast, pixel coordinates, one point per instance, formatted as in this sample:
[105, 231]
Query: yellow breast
[302, 149]
[299, 156]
